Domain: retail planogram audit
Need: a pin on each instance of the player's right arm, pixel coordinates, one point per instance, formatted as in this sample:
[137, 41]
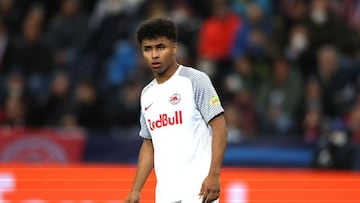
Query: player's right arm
[145, 166]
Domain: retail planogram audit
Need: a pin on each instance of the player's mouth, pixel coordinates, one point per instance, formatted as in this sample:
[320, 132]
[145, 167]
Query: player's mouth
[155, 65]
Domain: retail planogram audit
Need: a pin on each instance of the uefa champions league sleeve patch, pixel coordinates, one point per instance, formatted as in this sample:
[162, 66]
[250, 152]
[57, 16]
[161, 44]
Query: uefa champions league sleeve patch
[214, 101]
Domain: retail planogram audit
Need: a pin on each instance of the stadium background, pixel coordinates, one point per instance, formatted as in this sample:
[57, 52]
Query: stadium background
[287, 72]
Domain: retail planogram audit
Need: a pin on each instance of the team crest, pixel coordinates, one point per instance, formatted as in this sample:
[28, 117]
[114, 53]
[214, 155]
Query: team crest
[175, 99]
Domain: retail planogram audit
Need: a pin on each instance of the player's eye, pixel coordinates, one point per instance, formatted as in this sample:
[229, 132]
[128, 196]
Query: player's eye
[161, 47]
[147, 49]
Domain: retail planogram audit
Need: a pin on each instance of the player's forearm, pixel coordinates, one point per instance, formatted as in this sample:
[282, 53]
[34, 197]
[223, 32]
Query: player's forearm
[145, 165]
[219, 143]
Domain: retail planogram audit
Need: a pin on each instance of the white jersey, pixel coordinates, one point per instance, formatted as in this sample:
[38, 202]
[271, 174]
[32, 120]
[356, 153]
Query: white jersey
[175, 115]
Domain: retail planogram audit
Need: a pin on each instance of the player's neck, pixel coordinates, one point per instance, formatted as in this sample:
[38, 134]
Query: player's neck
[162, 78]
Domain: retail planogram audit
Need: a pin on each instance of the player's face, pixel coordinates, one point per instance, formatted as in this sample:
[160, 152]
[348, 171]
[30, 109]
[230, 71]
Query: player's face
[160, 54]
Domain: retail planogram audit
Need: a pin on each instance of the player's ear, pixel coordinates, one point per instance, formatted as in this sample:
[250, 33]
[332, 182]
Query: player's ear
[175, 45]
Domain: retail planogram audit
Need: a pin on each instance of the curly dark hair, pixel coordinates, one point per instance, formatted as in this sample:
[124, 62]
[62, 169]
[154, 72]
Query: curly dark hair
[156, 27]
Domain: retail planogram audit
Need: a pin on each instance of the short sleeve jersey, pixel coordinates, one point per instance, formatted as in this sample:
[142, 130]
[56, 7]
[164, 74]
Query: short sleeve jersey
[176, 116]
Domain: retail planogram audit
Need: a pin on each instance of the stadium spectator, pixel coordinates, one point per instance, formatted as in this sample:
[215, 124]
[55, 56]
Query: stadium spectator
[66, 33]
[313, 95]
[120, 64]
[240, 7]
[239, 91]
[122, 109]
[279, 98]
[15, 87]
[297, 50]
[251, 37]
[354, 122]
[293, 13]
[88, 106]
[311, 124]
[214, 47]
[311, 111]
[338, 86]
[188, 22]
[32, 56]
[59, 99]
[233, 118]
[11, 15]
[109, 24]
[244, 74]
[15, 113]
[244, 100]
[325, 27]
[6, 49]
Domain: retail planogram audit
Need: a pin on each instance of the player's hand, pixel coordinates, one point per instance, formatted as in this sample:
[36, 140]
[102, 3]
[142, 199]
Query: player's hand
[133, 197]
[210, 189]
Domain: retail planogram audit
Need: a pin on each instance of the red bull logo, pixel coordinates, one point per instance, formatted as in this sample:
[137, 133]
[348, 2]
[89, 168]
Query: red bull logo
[165, 120]
[175, 99]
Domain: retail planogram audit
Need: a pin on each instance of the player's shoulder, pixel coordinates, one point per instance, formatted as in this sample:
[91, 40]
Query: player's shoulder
[148, 86]
[192, 73]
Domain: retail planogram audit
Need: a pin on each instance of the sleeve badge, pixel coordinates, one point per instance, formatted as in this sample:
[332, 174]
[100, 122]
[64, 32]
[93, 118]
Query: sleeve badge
[214, 101]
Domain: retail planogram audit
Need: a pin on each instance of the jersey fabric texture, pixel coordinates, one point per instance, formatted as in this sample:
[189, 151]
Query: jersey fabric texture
[175, 115]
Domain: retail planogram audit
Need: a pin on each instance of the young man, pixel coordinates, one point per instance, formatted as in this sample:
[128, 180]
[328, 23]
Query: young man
[182, 124]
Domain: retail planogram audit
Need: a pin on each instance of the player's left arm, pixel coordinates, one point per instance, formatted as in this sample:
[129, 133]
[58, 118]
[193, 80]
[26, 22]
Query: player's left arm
[219, 143]
[210, 189]
[209, 105]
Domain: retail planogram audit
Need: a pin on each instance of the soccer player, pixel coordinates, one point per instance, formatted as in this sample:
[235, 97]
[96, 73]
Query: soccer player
[182, 124]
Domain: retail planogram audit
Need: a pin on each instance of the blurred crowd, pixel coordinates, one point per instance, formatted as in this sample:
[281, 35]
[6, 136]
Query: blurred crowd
[287, 67]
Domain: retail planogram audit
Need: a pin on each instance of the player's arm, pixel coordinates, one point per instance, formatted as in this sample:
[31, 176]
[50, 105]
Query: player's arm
[219, 143]
[210, 189]
[144, 167]
[209, 105]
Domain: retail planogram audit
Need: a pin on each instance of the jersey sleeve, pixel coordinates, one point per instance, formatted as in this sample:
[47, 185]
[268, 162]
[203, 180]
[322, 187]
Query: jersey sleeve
[144, 131]
[206, 97]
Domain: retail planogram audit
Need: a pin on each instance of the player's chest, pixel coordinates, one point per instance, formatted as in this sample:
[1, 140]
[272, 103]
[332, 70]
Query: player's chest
[163, 100]
[168, 110]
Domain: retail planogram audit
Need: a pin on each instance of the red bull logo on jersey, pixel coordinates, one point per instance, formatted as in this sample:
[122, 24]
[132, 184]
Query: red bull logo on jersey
[175, 98]
[166, 120]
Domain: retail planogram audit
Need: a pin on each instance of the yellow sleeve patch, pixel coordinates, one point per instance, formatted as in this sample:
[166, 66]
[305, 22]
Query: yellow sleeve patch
[214, 101]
